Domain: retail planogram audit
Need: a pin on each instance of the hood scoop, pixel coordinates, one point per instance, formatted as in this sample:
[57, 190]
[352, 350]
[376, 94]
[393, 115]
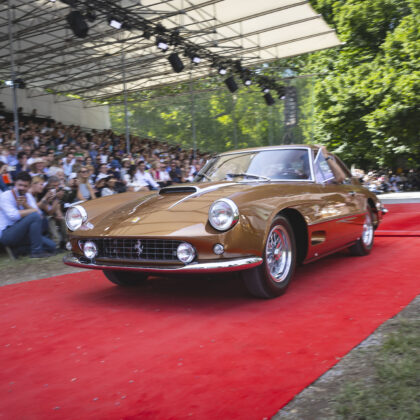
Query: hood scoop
[180, 189]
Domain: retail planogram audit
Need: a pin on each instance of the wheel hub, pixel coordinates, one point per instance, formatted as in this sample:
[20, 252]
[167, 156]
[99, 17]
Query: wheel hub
[278, 254]
[367, 234]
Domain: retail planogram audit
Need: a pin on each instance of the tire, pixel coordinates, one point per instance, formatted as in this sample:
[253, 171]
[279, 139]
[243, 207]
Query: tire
[364, 244]
[124, 278]
[273, 276]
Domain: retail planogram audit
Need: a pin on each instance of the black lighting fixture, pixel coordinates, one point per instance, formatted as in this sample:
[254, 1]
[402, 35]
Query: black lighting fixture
[162, 43]
[114, 22]
[269, 99]
[175, 38]
[231, 84]
[281, 92]
[193, 55]
[19, 83]
[77, 24]
[176, 62]
[246, 77]
[147, 33]
[221, 66]
[195, 58]
[90, 15]
[222, 70]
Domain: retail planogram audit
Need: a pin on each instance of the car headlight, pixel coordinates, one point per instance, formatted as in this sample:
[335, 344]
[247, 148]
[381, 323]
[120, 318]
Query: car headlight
[223, 214]
[185, 252]
[90, 250]
[75, 217]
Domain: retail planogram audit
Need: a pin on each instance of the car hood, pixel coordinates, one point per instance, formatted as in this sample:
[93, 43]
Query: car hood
[175, 211]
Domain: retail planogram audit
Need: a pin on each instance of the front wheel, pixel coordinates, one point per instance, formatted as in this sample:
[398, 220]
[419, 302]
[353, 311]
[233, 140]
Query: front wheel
[364, 244]
[273, 276]
[124, 278]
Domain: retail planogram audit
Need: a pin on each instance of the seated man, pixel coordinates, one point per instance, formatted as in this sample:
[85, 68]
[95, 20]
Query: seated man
[21, 221]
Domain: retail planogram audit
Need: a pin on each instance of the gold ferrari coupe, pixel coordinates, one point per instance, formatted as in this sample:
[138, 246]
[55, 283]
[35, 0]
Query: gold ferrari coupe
[258, 211]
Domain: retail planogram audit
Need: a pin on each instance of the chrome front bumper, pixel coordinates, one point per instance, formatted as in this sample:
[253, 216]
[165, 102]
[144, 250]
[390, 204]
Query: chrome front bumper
[210, 267]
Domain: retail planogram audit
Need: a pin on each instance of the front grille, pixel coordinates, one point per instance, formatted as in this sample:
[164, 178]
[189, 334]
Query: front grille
[137, 249]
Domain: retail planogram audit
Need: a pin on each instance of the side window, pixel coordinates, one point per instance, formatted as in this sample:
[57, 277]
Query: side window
[323, 173]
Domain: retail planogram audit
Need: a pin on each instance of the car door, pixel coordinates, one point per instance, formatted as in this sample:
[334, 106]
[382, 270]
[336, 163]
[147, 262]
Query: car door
[338, 215]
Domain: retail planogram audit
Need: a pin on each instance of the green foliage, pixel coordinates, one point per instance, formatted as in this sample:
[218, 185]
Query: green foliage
[367, 105]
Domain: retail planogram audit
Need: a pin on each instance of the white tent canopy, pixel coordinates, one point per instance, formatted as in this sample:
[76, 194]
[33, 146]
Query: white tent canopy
[49, 56]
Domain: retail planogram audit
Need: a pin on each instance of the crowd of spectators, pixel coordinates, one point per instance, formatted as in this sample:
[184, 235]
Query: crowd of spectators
[382, 182]
[67, 164]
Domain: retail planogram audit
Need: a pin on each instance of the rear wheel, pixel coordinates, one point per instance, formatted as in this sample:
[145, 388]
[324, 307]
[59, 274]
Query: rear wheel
[125, 278]
[364, 244]
[273, 276]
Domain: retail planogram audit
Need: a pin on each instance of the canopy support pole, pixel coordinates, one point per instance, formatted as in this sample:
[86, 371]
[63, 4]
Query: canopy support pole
[13, 76]
[194, 138]
[127, 128]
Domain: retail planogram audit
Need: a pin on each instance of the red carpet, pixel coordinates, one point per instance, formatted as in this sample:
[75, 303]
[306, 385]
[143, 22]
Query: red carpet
[402, 220]
[76, 346]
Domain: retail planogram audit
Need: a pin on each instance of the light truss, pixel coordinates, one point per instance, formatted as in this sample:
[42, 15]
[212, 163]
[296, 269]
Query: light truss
[49, 57]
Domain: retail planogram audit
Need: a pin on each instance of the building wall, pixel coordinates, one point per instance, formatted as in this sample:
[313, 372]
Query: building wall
[60, 109]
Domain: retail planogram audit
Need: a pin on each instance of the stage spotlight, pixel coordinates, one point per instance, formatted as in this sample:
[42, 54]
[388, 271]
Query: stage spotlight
[175, 38]
[269, 99]
[246, 78]
[281, 92]
[231, 84]
[77, 24]
[247, 81]
[90, 15]
[176, 63]
[115, 23]
[161, 43]
[195, 59]
[192, 54]
[147, 33]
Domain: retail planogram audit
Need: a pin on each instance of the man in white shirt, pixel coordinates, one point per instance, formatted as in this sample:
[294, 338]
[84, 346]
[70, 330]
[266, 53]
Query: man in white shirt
[21, 221]
[143, 178]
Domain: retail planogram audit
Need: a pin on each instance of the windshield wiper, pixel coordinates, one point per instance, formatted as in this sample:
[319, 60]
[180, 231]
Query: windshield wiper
[265, 178]
[203, 175]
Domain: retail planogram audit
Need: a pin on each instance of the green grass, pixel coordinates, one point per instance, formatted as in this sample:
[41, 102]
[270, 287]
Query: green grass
[394, 390]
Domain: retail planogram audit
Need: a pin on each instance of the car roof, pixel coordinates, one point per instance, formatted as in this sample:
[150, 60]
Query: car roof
[284, 146]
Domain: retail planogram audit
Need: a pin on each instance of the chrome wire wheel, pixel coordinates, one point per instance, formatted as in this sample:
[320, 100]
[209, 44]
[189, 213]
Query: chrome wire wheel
[367, 235]
[278, 254]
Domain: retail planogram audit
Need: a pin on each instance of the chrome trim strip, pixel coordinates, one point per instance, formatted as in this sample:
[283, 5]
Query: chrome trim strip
[210, 267]
[337, 219]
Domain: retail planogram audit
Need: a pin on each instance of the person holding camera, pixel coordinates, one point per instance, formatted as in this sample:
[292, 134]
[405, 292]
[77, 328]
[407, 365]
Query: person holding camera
[21, 221]
[50, 203]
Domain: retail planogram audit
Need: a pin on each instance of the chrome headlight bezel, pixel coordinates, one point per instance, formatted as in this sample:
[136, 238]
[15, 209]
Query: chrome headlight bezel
[186, 252]
[82, 217]
[90, 250]
[223, 214]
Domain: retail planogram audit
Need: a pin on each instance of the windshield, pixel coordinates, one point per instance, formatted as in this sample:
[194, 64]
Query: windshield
[276, 165]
